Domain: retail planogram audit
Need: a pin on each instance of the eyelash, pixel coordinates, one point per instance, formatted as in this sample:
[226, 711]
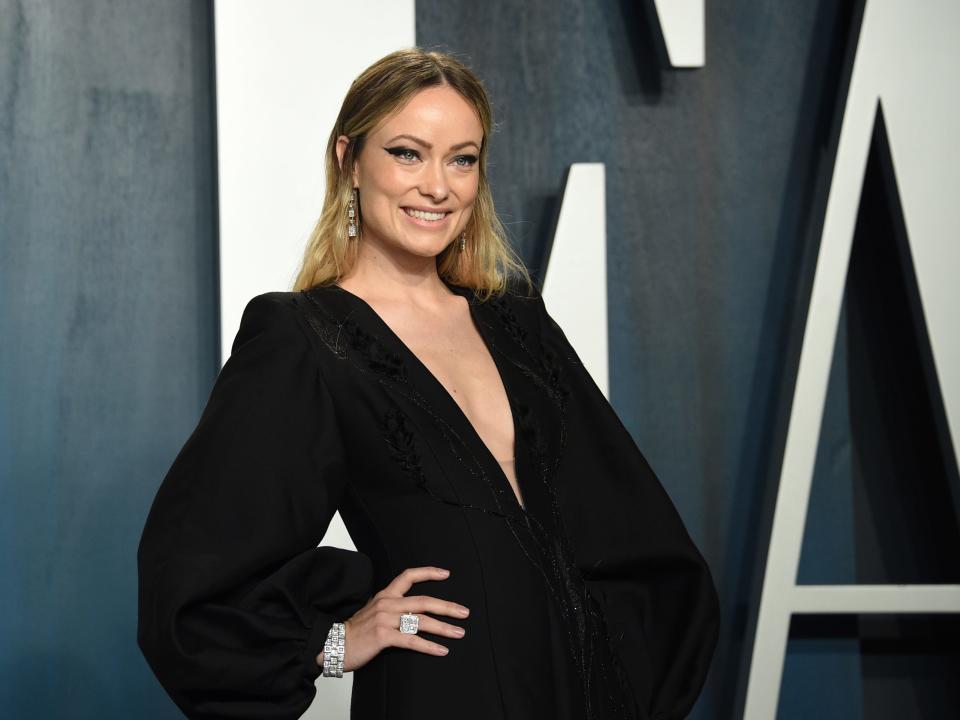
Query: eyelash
[399, 153]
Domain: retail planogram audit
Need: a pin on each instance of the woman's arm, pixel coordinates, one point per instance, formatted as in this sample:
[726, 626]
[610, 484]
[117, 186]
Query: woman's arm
[235, 597]
[631, 546]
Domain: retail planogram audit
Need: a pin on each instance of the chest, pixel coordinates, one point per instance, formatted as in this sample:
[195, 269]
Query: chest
[441, 406]
[451, 349]
[457, 356]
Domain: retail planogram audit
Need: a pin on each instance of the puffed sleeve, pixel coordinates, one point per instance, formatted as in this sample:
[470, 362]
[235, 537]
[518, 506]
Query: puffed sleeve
[631, 547]
[235, 597]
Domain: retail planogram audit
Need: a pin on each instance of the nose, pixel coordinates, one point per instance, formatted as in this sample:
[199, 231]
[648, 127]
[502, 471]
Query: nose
[433, 182]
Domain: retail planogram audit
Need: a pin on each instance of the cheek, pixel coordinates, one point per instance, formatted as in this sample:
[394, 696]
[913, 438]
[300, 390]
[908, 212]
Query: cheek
[381, 181]
[388, 185]
[468, 189]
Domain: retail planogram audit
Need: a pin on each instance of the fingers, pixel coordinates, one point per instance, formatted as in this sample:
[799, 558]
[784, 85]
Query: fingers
[387, 606]
[438, 627]
[387, 610]
[387, 634]
[415, 642]
[431, 625]
[422, 604]
[402, 583]
[386, 619]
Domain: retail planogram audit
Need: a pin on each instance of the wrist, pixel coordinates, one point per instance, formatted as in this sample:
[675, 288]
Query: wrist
[333, 651]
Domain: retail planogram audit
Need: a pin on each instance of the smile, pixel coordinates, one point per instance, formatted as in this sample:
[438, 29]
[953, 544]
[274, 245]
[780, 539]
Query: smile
[424, 217]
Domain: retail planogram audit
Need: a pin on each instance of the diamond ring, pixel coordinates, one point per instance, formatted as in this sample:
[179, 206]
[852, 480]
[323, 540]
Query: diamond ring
[409, 623]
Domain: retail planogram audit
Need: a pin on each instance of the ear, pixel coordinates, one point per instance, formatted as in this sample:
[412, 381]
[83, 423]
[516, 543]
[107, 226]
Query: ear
[342, 142]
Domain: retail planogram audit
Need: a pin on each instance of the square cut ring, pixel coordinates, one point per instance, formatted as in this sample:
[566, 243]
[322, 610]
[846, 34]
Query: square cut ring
[409, 623]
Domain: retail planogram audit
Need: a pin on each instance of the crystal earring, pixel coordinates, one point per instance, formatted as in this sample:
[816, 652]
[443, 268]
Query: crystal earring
[463, 240]
[351, 216]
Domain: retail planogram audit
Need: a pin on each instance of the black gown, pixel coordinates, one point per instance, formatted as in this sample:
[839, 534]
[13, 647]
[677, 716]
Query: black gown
[590, 602]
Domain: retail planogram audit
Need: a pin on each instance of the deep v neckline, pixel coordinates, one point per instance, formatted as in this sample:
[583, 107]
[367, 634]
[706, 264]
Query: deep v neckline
[439, 386]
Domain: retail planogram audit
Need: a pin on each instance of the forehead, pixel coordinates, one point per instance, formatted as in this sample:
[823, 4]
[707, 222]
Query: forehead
[439, 112]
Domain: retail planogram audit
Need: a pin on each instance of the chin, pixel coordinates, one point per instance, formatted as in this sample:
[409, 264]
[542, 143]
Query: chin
[424, 247]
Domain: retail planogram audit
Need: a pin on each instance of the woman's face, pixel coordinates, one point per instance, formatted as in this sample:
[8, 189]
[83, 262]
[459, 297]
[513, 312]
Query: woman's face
[417, 174]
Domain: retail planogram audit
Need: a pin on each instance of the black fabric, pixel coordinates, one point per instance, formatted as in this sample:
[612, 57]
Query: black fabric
[590, 602]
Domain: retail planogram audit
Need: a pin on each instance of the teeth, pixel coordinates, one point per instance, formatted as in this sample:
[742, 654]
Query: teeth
[425, 215]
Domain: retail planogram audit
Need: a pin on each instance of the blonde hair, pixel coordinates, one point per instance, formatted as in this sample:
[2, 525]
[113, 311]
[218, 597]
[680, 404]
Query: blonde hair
[488, 262]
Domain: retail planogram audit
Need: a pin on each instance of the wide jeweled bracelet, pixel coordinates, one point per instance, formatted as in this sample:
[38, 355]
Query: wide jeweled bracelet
[333, 648]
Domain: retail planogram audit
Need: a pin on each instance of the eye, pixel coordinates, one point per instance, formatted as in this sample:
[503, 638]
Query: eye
[465, 161]
[403, 153]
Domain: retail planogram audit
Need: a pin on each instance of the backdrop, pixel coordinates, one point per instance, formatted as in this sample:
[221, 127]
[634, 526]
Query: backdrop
[717, 181]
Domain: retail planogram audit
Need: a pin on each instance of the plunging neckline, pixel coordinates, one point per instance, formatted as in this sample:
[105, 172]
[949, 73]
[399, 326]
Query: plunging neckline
[468, 296]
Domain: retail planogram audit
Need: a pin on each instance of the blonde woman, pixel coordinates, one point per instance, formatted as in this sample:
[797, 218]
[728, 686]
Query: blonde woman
[516, 556]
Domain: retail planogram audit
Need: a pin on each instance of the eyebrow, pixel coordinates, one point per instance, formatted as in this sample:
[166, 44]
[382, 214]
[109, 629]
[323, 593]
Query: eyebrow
[427, 145]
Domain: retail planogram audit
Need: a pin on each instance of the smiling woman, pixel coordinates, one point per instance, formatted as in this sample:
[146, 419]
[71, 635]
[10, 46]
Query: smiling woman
[516, 555]
[412, 136]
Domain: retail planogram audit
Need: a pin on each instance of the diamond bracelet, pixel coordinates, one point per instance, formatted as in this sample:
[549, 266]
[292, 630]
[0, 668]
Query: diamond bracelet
[333, 651]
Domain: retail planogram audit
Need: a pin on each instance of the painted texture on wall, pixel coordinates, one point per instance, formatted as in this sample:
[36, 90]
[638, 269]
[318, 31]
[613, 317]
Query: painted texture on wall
[108, 327]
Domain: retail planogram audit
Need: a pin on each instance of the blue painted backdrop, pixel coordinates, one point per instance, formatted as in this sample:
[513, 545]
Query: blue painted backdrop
[108, 330]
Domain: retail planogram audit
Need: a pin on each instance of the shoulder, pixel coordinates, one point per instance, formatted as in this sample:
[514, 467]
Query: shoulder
[520, 304]
[270, 315]
[514, 311]
[271, 302]
[270, 309]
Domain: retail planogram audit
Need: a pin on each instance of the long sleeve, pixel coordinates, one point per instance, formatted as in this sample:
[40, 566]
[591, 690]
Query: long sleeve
[235, 597]
[638, 561]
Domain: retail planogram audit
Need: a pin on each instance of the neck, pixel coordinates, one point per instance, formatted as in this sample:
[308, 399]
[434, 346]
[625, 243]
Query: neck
[389, 272]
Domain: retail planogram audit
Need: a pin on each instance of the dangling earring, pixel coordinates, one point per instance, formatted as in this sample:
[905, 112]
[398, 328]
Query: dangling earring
[351, 215]
[463, 240]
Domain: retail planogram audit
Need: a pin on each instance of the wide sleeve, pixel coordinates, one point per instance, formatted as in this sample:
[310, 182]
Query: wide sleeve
[235, 597]
[631, 547]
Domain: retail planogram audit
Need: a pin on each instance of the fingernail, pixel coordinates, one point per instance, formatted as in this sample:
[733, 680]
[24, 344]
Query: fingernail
[444, 572]
[444, 650]
[459, 632]
[463, 611]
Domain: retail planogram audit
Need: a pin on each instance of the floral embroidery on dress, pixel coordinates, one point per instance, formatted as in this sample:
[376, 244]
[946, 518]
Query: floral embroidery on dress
[400, 439]
[336, 333]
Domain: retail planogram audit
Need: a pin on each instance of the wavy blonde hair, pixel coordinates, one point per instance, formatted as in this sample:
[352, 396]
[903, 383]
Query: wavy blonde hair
[488, 263]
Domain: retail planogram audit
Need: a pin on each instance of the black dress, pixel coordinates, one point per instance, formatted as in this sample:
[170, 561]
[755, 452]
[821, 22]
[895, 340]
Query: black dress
[589, 603]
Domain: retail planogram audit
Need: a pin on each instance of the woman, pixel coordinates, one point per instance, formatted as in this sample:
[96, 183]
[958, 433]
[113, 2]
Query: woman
[496, 501]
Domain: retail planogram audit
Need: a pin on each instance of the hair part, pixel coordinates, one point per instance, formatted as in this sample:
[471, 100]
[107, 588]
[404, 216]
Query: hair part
[488, 262]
